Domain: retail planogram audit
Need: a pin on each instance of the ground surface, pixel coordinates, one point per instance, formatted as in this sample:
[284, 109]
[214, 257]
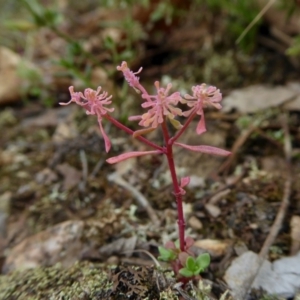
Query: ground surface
[62, 203]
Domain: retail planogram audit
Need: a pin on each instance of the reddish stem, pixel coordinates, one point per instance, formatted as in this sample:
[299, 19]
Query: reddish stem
[183, 128]
[168, 151]
[144, 92]
[129, 131]
[177, 193]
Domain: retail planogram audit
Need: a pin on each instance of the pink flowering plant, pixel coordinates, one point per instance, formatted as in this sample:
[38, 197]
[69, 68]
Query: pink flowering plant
[161, 108]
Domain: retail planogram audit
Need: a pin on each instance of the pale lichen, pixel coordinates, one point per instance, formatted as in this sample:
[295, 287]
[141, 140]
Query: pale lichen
[83, 280]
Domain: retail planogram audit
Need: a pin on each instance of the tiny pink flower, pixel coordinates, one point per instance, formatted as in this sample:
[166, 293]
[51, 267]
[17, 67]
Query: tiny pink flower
[93, 102]
[130, 76]
[202, 97]
[160, 105]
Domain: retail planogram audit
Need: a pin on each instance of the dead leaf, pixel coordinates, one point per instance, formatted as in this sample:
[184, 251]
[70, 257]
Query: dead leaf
[71, 175]
[213, 210]
[258, 97]
[50, 118]
[120, 246]
[123, 167]
[294, 104]
[216, 248]
[64, 132]
[219, 196]
[46, 176]
[195, 223]
[274, 165]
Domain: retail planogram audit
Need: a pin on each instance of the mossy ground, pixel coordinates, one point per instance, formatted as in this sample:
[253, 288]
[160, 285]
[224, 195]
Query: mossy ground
[87, 281]
[83, 280]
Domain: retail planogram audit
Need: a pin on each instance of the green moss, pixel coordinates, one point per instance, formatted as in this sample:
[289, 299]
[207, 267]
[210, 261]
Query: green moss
[83, 280]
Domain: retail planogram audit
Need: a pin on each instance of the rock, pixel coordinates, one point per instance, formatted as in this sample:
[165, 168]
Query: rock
[240, 274]
[56, 244]
[64, 243]
[280, 278]
[10, 87]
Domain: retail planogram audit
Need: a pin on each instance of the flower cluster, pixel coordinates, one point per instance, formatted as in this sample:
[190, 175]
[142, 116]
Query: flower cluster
[130, 76]
[202, 97]
[160, 106]
[94, 104]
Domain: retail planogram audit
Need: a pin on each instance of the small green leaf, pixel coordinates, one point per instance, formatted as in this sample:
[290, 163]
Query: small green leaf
[176, 124]
[185, 272]
[198, 270]
[166, 254]
[177, 245]
[109, 43]
[203, 261]
[163, 251]
[190, 263]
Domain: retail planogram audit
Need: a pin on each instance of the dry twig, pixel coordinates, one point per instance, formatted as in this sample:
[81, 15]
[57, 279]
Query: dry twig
[141, 200]
[235, 148]
[255, 20]
[97, 168]
[286, 193]
[254, 127]
[85, 171]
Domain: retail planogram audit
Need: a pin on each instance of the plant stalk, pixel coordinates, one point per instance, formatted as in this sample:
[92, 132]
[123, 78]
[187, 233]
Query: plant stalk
[182, 129]
[177, 192]
[130, 132]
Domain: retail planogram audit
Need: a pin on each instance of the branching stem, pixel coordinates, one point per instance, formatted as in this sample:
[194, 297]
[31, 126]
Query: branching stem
[130, 132]
[177, 192]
